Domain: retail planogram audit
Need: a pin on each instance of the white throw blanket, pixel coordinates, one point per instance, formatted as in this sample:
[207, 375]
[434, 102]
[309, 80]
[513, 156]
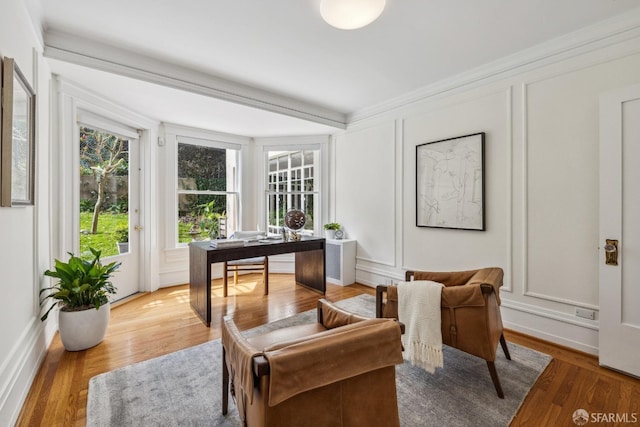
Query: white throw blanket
[419, 310]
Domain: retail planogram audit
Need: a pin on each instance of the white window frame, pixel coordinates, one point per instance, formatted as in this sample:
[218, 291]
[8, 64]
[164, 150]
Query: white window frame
[298, 143]
[175, 134]
[233, 211]
[289, 192]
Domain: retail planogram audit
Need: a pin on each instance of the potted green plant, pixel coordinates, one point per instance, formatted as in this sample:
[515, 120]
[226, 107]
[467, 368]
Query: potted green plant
[122, 238]
[82, 294]
[330, 230]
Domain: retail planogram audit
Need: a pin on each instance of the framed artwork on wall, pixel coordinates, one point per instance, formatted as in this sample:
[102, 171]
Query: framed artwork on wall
[17, 147]
[450, 183]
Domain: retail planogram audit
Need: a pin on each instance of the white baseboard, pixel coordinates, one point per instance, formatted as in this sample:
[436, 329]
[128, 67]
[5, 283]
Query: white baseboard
[555, 330]
[19, 370]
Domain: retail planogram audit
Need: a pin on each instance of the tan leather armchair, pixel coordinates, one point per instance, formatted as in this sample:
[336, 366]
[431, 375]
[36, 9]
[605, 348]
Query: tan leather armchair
[339, 371]
[470, 308]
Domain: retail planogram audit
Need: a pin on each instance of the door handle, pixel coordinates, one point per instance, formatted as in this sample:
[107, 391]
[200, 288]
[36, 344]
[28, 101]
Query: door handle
[137, 228]
[611, 252]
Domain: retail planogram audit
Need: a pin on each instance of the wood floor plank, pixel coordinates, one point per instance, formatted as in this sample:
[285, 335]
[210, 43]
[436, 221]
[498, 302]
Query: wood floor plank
[162, 322]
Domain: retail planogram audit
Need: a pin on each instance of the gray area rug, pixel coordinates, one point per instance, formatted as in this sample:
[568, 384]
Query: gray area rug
[184, 388]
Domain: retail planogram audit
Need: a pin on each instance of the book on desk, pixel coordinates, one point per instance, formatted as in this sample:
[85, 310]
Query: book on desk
[227, 243]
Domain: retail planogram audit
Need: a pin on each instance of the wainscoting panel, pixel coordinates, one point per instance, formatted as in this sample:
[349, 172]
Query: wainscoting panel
[365, 179]
[560, 175]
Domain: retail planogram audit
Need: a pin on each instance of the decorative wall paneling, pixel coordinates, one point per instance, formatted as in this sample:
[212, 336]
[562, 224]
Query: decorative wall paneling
[541, 292]
[365, 191]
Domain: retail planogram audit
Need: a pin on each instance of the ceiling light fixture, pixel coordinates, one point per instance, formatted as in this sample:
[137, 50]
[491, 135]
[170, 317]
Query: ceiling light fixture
[351, 14]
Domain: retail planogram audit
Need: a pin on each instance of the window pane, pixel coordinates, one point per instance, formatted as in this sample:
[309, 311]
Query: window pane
[104, 192]
[202, 168]
[199, 215]
[283, 162]
[308, 157]
[296, 160]
[308, 210]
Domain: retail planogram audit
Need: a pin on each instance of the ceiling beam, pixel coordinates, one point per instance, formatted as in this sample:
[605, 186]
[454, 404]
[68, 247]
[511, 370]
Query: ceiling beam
[100, 56]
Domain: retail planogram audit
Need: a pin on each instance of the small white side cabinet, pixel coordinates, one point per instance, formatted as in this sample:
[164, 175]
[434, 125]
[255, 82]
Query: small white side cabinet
[341, 261]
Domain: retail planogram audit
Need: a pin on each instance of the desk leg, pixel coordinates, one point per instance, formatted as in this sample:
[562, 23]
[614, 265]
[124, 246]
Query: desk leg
[200, 284]
[225, 280]
[310, 270]
[265, 275]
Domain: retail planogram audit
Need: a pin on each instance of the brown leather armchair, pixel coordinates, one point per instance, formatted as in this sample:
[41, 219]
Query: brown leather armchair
[470, 308]
[339, 371]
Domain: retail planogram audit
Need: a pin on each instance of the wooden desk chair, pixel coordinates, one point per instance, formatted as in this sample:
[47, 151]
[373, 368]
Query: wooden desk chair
[246, 264]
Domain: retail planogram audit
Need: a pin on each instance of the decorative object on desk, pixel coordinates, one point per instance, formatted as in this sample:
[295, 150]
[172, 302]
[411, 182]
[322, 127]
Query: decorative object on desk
[17, 148]
[294, 220]
[450, 183]
[339, 234]
[330, 230]
[82, 295]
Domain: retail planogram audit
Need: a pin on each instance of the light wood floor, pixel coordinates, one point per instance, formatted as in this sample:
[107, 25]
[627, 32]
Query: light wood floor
[162, 322]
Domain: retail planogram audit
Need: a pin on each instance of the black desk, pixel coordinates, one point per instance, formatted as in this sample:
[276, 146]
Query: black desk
[310, 266]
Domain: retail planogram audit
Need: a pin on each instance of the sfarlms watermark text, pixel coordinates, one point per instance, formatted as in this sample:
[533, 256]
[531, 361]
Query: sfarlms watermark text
[582, 417]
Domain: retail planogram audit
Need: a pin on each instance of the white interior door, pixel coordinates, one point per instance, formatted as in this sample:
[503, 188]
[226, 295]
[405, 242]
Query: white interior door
[619, 334]
[110, 177]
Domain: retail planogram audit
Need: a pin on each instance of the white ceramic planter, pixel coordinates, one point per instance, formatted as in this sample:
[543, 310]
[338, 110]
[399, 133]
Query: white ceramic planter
[330, 234]
[80, 330]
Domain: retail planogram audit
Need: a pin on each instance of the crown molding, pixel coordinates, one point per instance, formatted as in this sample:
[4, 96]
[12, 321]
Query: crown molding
[73, 49]
[608, 32]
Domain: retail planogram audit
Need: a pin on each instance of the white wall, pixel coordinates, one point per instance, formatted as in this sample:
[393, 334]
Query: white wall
[24, 231]
[542, 204]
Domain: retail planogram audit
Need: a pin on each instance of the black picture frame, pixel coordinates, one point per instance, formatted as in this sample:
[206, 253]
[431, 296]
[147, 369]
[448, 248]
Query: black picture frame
[450, 183]
[17, 143]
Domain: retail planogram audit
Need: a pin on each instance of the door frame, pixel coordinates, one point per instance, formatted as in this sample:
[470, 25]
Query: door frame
[69, 101]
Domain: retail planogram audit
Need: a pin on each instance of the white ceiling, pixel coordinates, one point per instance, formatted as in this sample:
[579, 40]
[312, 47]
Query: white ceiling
[284, 47]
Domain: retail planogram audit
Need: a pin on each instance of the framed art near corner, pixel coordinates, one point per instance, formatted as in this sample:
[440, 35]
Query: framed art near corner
[17, 148]
[450, 183]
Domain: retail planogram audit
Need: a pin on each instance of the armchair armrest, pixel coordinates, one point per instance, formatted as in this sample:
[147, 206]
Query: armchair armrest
[238, 356]
[332, 316]
[492, 276]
